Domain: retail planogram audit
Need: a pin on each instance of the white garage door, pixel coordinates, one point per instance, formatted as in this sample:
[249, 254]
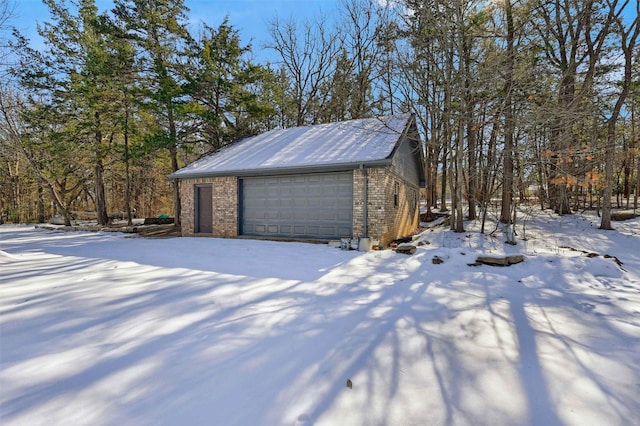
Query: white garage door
[307, 205]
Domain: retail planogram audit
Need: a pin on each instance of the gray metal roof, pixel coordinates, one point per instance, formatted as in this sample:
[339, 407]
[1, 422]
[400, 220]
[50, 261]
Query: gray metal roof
[332, 146]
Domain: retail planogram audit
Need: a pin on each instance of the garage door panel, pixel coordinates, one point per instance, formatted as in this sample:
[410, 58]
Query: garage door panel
[343, 216]
[344, 231]
[312, 206]
[328, 216]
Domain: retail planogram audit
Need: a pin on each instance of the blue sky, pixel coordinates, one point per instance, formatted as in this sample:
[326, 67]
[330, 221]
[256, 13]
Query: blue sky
[250, 17]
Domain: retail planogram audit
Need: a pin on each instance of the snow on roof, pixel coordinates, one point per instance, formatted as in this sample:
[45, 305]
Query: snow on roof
[346, 142]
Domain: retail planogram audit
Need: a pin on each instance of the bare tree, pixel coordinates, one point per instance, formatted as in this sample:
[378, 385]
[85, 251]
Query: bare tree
[7, 8]
[309, 57]
[628, 39]
[509, 124]
[574, 36]
[364, 21]
[12, 137]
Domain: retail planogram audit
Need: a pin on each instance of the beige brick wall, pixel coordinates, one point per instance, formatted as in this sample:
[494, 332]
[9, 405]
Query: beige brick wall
[225, 206]
[386, 221]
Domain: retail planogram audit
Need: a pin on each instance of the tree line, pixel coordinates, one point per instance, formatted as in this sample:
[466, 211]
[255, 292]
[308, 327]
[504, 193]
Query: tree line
[513, 98]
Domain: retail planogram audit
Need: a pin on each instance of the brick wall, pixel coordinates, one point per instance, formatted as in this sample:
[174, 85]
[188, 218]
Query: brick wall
[386, 220]
[225, 206]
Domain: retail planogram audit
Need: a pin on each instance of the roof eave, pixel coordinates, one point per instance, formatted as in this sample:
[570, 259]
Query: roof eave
[285, 170]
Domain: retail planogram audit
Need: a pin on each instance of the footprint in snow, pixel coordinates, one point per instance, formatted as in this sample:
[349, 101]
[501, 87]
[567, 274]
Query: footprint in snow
[303, 419]
[587, 307]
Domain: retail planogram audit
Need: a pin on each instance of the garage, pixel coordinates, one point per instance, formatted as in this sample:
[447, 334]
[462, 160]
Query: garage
[317, 205]
[349, 179]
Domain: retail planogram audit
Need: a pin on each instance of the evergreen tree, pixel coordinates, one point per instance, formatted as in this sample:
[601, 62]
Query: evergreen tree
[72, 82]
[223, 88]
[159, 29]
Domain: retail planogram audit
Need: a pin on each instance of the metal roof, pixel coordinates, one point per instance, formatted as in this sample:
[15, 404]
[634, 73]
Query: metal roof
[331, 146]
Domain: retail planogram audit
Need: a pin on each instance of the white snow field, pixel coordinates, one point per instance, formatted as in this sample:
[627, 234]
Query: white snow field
[105, 329]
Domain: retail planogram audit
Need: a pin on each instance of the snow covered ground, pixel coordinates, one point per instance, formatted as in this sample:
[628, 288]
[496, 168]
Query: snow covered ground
[102, 328]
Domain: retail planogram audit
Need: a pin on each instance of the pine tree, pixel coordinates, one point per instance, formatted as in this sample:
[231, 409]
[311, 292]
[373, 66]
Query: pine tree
[71, 80]
[219, 84]
[159, 29]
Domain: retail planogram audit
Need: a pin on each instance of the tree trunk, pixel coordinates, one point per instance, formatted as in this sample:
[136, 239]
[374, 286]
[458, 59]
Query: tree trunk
[628, 40]
[509, 125]
[41, 214]
[636, 158]
[488, 174]
[101, 202]
[605, 222]
[55, 196]
[627, 166]
[635, 196]
[127, 161]
[430, 182]
[470, 128]
[173, 150]
[456, 192]
[443, 186]
[176, 187]
[101, 199]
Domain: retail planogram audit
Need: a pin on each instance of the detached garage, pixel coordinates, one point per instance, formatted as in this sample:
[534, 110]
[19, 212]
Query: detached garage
[349, 179]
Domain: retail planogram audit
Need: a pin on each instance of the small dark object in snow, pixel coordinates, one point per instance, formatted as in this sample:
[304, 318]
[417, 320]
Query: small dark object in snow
[581, 251]
[437, 260]
[498, 261]
[615, 259]
[349, 384]
[423, 243]
[401, 240]
[406, 249]
[158, 220]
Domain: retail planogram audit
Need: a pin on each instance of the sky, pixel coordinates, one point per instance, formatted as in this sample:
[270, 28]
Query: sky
[250, 17]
